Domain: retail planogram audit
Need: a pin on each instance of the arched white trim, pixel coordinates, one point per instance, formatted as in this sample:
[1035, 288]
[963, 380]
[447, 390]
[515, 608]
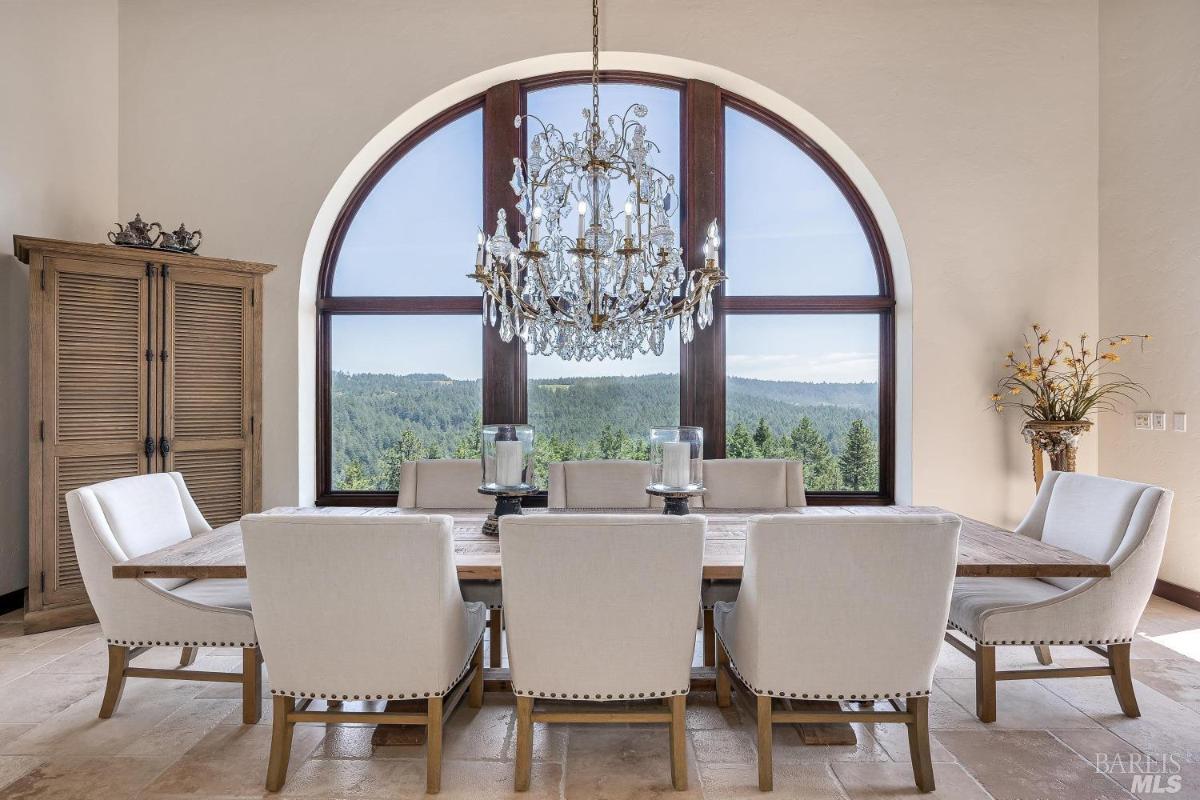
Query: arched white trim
[644, 62]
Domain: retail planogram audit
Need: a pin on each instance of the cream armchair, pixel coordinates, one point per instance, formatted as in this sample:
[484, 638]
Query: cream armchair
[752, 483]
[600, 484]
[441, 483]
[601, 608]
[383, 593]
[840, 608]
[733, 483]
[120, 519]
[1120, 523]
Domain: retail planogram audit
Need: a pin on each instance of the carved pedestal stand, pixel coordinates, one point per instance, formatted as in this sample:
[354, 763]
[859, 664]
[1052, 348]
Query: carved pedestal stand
[1058, 438]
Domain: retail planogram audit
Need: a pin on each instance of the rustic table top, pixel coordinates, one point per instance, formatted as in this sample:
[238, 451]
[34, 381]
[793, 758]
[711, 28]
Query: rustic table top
[983, 550]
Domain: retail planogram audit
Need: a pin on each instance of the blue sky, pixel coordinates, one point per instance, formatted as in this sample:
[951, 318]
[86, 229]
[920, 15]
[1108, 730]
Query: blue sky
[788, 231]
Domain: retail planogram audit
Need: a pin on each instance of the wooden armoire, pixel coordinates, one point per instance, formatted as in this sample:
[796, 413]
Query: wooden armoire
[139, 361]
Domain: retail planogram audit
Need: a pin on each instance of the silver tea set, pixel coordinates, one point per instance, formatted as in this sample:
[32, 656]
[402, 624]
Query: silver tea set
[138, 233]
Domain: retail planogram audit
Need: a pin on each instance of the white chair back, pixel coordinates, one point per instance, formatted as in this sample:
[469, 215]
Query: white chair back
[442, 483]
[752, 483]
[1105, 519]
[358, 606]
[601, 607]
[601, 484]
[834, 606]
[117, 520]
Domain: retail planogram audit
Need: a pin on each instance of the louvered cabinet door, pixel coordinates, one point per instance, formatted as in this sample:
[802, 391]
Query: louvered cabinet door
[96, 323]
[209, 390]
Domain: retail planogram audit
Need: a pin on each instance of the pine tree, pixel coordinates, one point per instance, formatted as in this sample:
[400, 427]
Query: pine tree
[354, 479]
[763, 437]
[821, 472]
[859, 460]
[740, 443]
[408, 447]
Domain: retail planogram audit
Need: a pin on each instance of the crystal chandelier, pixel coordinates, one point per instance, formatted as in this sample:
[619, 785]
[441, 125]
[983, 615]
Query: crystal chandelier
[586, 280]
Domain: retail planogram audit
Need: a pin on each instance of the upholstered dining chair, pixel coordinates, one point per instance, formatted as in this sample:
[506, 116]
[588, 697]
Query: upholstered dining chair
[784, 641]
[441, 483]
[383, 592]
[121, 519]
[601, 609]
[1120, 523]
[752, 483]
[600, 484]
[734, 483]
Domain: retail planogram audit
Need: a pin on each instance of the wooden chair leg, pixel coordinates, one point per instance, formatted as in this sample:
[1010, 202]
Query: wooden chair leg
[1042, 651]
[679, 743]
[251, 685]
[918, 742]
[187, 656]
[281, 742]
[724, 684]
[710, 636]
[475, 692]
[985, 682]
[524, 765]
[118, 660]
[496, 634]
[433, 747]
[766, 775]
[1122, 678]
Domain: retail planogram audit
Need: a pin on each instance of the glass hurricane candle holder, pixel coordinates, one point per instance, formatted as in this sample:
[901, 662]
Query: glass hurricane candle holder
[676, 454]
[507, 458]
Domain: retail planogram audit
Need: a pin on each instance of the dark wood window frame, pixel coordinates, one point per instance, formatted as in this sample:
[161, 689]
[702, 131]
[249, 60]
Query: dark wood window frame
[702, 362]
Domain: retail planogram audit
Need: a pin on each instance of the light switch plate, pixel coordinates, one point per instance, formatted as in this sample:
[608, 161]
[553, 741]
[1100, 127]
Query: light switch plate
[1141, 420]
[1180, 422]
[1158, 420]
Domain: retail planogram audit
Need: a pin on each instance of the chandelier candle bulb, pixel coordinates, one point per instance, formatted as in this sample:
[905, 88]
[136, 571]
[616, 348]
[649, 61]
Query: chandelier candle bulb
[629, 219]
[583, 209]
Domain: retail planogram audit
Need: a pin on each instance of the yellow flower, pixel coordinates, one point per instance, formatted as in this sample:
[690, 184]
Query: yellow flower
[1037, 327]
[1039, 361]
[999, 409]
[1045, 337]
[1013, 390]
[1147, 337]
[1110, 357]
[1124, 340]
[1010, 354]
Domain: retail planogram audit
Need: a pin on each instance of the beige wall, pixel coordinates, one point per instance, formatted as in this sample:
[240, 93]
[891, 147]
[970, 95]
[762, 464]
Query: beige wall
[58, 177]
[977, 118]
[1150, 246]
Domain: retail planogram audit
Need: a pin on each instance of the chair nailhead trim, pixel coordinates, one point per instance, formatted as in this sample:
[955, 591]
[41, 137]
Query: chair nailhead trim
[604, 697]
[817, 696]
[1064, 642]
[147, 643]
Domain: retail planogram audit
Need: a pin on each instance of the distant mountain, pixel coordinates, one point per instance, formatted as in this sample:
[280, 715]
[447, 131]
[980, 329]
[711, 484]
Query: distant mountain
[372, 410]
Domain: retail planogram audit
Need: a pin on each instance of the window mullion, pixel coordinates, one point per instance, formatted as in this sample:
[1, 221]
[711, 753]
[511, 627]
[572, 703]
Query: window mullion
[504, 393]
[702, 361]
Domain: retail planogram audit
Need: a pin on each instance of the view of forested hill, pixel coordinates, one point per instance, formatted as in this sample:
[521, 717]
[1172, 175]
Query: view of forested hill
[380, 420]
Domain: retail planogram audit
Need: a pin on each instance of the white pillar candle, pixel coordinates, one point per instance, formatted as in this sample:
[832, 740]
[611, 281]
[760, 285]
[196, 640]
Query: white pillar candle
[677, 464]
[510, 458]
[583, 209]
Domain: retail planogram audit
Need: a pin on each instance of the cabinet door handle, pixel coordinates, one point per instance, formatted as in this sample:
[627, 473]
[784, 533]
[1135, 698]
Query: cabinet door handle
[164, 446]
[148, 446]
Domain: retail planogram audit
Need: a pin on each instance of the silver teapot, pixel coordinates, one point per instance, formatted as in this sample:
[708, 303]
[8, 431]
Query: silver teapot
[136, 233]
[181, 240]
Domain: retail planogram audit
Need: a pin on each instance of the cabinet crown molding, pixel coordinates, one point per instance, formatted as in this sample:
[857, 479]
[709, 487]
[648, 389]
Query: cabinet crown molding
[24, 246]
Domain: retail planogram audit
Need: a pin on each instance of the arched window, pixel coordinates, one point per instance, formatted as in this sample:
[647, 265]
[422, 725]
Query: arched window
[798, 364]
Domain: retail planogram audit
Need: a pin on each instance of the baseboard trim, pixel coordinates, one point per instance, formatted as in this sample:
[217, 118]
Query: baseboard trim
[51, 619]
[1177, 594]
[12, 601]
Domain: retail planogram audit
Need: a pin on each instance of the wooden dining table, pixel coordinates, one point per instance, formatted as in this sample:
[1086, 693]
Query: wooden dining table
[983, 551]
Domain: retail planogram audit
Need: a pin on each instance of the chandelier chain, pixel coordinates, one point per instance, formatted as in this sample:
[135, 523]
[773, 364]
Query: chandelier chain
[595, 70]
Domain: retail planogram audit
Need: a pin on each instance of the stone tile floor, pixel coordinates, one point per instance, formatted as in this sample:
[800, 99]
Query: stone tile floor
[175, 739]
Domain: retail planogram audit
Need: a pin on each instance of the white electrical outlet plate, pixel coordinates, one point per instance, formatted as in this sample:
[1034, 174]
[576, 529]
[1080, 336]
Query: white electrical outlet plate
[1141, 420]
[1159, 420]
[1180, 422]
